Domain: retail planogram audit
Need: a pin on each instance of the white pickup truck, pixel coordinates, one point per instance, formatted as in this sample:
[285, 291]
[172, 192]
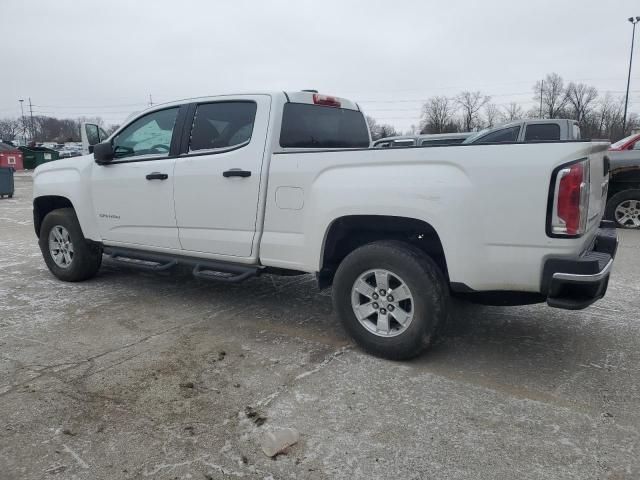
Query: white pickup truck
[236, 186]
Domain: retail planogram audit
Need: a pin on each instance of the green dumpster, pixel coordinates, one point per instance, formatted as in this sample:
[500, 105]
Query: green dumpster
[34, 156]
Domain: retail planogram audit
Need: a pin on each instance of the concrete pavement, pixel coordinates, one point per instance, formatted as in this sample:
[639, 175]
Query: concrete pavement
[136, 375]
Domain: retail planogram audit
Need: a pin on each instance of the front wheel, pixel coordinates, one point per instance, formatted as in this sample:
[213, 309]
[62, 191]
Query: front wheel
[391, 297]
[65, 250]
[624, 209]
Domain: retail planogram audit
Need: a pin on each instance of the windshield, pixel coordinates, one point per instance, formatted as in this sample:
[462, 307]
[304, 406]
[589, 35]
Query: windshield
[620, 143]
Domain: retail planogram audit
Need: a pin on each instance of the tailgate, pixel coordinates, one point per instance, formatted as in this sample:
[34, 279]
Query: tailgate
[599, 184]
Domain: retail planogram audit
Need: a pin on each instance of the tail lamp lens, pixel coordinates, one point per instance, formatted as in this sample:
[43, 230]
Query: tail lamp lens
[571, 200]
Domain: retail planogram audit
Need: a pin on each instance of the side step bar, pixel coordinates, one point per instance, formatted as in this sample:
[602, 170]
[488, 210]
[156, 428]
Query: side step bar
[205, 269]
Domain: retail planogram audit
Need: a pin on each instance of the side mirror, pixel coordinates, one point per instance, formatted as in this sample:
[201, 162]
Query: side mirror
[103, 153]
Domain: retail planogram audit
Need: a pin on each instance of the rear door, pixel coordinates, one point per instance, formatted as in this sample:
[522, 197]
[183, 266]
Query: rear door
[217, 179]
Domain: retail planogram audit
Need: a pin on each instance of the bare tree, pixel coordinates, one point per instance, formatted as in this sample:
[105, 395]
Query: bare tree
[492, 114]
[109, 129]
[552, 95]
[607, 119]
[437, 116]
[470, 103]
[9, 128]
[48, 129]
[581, 99]
[512, 112]
[379, 130]
[413, 130]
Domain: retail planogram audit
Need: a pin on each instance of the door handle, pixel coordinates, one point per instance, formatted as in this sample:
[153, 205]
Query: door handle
[236, 172]
[157, 176]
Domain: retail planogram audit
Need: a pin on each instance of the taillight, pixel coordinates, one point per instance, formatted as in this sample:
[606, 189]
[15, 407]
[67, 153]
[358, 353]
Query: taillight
[570, 207]
[325, 100]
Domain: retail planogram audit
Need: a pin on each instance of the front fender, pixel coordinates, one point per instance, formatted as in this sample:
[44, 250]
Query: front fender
[70, 179]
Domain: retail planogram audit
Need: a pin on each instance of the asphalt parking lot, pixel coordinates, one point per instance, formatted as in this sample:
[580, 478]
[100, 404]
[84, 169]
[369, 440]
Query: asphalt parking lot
[137, 375]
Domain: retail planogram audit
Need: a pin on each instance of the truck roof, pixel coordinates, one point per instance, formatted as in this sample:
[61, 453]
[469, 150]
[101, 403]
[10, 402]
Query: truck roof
[301, 96]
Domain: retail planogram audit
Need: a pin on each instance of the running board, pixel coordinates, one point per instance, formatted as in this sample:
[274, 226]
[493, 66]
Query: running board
[204, 269]
[143, 264]
[205, 272]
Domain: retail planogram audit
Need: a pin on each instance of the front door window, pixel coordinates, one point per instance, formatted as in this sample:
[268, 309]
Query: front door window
[149, 135]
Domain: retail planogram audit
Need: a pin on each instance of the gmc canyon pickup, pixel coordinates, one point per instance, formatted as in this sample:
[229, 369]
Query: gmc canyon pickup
[286, 183]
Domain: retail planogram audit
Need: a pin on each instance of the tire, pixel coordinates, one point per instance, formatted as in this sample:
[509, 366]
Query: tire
[82, 259]
[627, 201]
[384, 335]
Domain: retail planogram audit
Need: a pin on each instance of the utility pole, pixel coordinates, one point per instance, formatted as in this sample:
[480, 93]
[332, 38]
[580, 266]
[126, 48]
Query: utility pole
[33, 133]
[24, 127]
[150, 101]
[626, 98]
[541, 88]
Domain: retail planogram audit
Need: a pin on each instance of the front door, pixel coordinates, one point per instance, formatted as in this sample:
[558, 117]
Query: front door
[217, 182]
[133, 194]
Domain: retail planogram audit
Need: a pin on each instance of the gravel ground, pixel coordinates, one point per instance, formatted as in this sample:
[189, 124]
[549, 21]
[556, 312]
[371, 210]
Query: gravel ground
[134, 375]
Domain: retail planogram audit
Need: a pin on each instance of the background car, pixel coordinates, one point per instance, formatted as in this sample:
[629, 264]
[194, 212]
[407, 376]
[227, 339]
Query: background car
[623, 200]
[529, 130]
[427, 140]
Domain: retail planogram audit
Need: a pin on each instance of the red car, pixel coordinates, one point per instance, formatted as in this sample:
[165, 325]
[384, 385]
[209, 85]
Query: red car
[627, 143]
[623, 204]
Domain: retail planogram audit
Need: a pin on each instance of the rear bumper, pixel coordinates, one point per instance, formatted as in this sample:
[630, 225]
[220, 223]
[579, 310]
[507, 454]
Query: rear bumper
[576, 283]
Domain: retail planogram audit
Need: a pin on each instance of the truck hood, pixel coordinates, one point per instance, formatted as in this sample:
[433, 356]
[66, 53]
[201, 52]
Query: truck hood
[75, 163]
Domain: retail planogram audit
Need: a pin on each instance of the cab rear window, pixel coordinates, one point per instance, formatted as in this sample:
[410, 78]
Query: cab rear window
[542, 132]
[317, 126]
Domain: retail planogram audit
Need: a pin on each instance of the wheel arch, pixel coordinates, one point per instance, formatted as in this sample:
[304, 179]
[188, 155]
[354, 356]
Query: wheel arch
[349, 232]
[45, 204]
[623, 179]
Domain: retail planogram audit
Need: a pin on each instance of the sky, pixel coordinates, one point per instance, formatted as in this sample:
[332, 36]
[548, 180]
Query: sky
[111, 58]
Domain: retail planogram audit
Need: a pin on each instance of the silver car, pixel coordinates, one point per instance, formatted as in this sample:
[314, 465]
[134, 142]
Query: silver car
[434, 140]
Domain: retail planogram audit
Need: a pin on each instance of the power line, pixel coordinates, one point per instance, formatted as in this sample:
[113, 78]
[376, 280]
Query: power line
[493, 85]
[93, 106]
[77, 112]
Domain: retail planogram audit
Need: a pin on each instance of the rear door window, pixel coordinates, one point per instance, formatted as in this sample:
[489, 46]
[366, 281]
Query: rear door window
[318, 126]
[541, 132]
[501, 136]
[222, 125]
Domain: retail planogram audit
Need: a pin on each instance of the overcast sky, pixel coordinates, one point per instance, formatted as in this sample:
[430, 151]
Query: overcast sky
[105, 58]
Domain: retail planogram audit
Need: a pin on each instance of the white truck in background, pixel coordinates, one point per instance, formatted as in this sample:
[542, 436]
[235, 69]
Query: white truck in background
[286, 183]
[529, 130]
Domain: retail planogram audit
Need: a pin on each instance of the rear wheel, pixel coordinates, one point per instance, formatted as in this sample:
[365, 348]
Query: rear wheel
[65, 250]
[391, 297]
[624, 209]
